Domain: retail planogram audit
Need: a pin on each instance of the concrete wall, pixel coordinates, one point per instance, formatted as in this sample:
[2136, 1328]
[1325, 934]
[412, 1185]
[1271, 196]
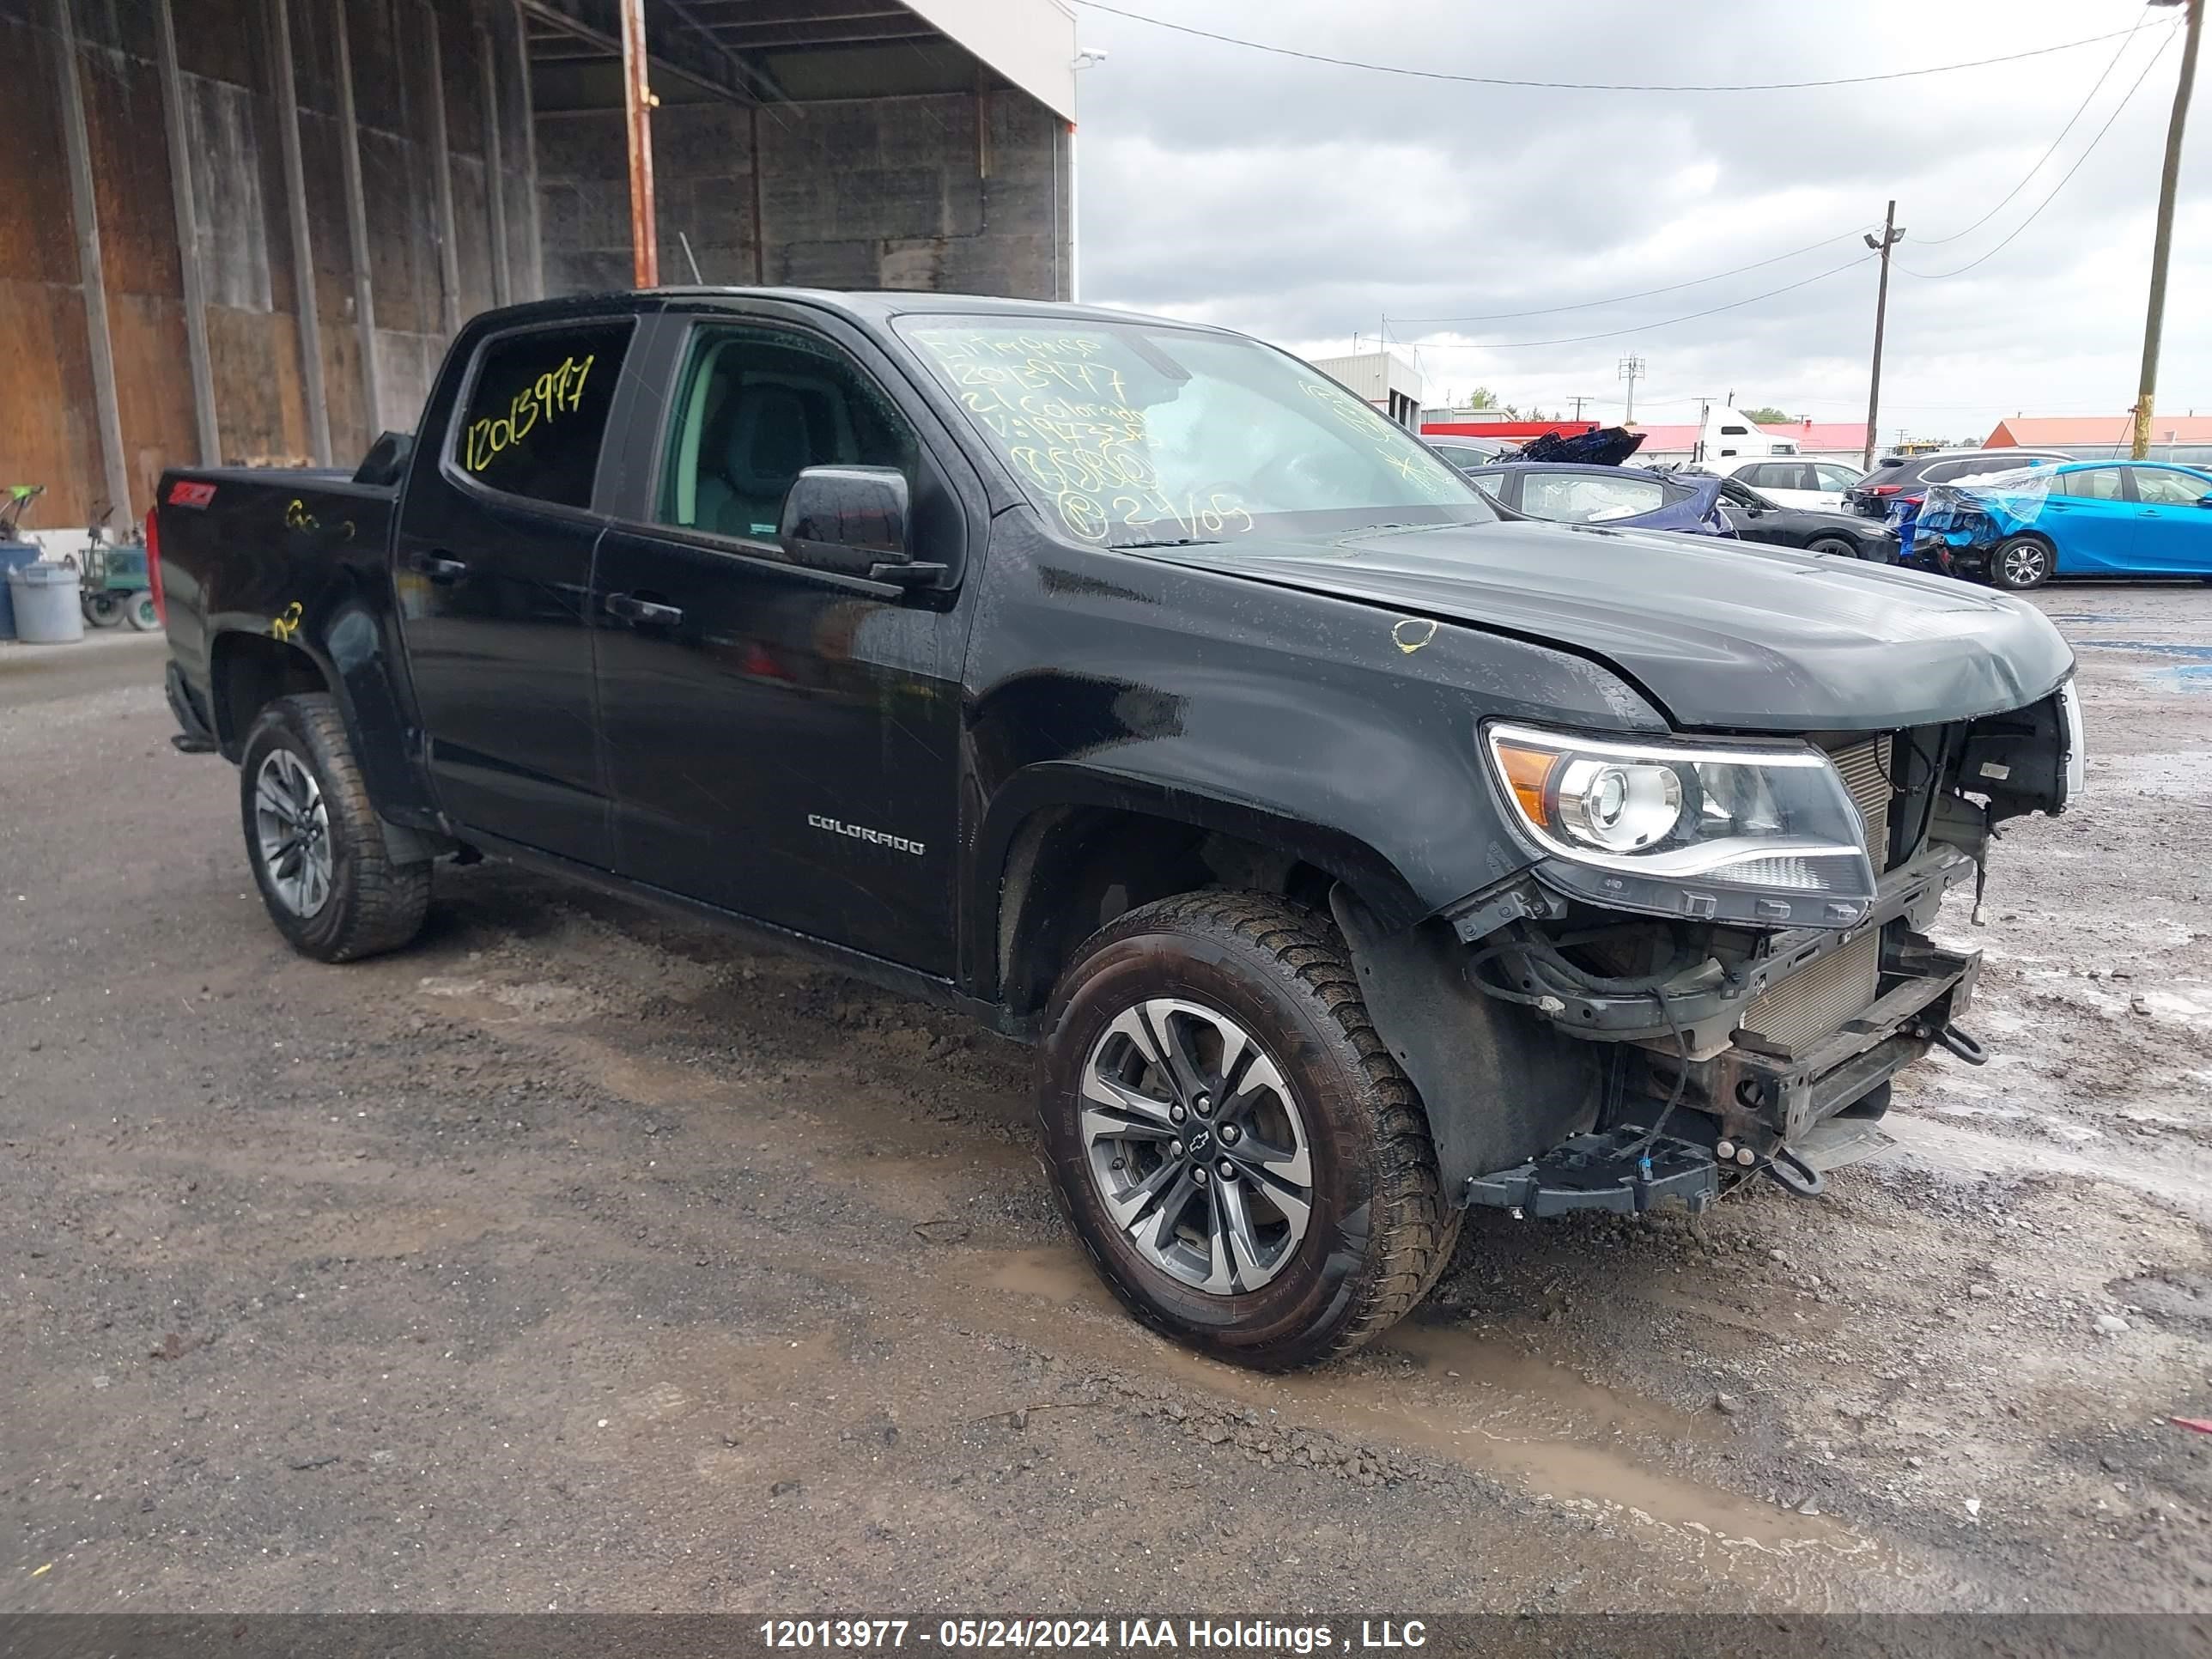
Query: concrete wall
[960, 191]
[411, 60]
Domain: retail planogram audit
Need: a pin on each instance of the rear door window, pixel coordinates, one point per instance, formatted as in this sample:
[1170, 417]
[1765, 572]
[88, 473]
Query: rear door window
[1590, 498]
[2096, 483]
[537, 411]
[1835, 477]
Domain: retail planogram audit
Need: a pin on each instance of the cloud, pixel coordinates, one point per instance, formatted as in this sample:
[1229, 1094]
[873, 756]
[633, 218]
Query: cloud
[1304, 202]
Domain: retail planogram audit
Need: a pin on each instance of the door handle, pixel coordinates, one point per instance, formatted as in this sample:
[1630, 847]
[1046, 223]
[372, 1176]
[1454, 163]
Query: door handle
[439, 568]
[632, 609]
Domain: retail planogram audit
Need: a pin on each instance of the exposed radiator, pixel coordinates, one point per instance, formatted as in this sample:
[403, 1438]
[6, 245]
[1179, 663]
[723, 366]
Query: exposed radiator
[1866, 772]
[1814, 1002]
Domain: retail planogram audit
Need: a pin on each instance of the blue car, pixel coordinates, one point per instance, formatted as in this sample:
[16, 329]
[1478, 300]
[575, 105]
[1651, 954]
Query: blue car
[2019, 529]
[1619, 497]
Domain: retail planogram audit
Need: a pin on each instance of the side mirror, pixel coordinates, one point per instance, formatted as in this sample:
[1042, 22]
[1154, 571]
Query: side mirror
[852, 520]
[2204, 501]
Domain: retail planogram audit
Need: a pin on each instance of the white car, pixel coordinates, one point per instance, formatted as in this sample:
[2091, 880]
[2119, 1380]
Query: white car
[1793, 481]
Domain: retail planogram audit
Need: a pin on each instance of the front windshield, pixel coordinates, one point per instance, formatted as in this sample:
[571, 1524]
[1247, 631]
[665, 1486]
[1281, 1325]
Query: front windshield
[1130, 434]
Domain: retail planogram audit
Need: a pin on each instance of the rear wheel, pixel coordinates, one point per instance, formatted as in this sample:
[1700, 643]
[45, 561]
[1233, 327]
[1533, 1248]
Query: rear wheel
[1834, 547]
[1245, 1163]
[317, 850]
[2020, 563]
[144, 615]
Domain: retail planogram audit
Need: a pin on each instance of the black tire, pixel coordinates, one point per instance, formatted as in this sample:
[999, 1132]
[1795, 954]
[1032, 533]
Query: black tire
[1834, 547]
[370, 904]
[1377, 1232]
[2021, 562]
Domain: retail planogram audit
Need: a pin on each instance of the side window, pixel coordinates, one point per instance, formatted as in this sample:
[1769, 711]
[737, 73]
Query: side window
[758, 407]
[1736, 432]
[2156, 487]
[1835, 477]
[1760, 477]
[2097, 483]
[1581, 498]
[537, 410]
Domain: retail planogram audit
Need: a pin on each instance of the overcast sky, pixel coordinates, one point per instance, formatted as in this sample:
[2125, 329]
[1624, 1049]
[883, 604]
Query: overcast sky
[1304, 202]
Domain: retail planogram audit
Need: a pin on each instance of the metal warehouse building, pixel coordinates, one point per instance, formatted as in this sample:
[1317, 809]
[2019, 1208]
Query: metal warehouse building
[240, 231]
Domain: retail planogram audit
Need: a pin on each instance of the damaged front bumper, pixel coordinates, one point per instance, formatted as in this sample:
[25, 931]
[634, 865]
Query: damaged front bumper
[1749, 1047]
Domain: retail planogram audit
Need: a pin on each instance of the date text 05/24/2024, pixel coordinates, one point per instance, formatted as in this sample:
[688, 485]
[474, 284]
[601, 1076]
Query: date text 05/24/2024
[1243, 1636]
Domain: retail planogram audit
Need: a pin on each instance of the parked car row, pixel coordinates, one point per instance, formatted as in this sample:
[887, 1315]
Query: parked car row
[2012, 518]
[1699, 504]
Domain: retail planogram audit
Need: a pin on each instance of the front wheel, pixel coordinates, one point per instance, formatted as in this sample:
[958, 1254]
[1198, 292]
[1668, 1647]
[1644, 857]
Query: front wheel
[1250, 1170]
[2020, 563]
[317, 850]
[101, 609]
[1834, 547]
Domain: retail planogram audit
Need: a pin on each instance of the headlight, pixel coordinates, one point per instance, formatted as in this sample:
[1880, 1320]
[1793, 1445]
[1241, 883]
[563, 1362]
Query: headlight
[1764, 833]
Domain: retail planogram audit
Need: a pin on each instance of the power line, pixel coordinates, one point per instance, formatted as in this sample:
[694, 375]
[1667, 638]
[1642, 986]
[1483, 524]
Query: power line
[1643, 294]
[1639, 328]
[1588, 86]
[2080, 109]
[2149, 64]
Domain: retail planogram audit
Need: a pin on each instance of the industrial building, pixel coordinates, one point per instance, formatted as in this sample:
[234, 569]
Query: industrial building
[242, 231]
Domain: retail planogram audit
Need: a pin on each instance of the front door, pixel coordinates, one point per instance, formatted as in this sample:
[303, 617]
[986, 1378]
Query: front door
[2173, 527]
[2090, 519]
[494, 566]
[783, 742]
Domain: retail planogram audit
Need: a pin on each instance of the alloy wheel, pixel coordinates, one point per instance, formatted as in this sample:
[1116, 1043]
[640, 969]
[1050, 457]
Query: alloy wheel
[292, 830]
[2024, 565]
[1196, 1145]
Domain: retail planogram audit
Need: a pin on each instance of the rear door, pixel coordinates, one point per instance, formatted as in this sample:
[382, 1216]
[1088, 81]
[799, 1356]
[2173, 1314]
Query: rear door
[784, 742]
[2091, 520]
[2173, 528]
[494, 554]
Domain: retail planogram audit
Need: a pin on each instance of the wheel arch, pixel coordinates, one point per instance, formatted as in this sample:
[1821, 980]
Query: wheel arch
[1065, 850]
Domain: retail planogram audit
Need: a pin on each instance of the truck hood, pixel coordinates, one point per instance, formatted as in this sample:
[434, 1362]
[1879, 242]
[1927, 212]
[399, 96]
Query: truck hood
[1719, 634]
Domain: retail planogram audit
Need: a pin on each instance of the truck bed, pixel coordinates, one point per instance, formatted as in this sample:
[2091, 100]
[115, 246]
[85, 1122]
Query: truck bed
[264, 551]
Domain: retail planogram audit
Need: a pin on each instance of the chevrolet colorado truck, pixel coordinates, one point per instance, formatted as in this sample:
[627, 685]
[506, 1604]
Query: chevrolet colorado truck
[1351, 852]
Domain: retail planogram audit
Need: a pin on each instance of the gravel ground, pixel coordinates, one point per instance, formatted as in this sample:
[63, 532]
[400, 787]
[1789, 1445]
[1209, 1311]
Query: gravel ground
[578, 1259]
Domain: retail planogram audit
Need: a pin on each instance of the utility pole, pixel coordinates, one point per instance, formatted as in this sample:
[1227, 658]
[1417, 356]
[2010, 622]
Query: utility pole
[2169, 180]
[1891, 235]
[1631, 370]
[1578, 403]
[1705, 413]
[638, 102]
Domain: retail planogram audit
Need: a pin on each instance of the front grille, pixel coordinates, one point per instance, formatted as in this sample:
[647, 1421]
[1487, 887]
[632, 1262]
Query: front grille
[1865, 769]
[1814, 1002]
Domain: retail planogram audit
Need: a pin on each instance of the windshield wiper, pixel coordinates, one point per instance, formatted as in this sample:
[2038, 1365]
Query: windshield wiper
[1175, 541]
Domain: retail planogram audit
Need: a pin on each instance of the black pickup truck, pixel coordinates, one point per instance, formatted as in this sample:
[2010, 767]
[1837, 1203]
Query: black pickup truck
[1351, 854]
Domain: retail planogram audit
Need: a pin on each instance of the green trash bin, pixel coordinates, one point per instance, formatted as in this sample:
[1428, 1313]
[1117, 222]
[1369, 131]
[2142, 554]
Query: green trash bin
[48, 611]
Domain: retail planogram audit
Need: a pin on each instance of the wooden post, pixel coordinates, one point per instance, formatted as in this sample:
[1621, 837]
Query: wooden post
[2162, 246]
[442, 154]
[529, 206]
[364, 292]
[1891, 235]
[303, 244]
[188, 240]
[637, 105]
[92, 274]
[502, 287]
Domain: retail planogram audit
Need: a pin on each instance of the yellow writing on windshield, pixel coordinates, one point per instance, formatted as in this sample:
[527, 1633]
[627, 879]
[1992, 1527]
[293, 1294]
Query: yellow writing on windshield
[556, 392]
[1063, 415]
